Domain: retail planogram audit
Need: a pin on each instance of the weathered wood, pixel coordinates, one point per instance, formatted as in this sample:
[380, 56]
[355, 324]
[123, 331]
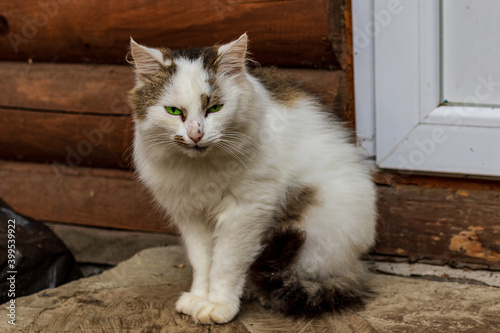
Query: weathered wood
[66, 138]
[330, 86]
[347, 61]
[71, 100]
[440, 224]
[65, 87]
[340, 23]
[452, 183]
[294, 33]
[416, 223]
[103, 88]
[87, 196]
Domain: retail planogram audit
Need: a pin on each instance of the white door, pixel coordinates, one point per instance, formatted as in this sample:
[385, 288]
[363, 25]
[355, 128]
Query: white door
[427, 84]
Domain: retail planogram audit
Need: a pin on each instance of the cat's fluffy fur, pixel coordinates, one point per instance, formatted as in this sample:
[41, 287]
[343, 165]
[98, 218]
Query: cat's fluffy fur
[272, 197]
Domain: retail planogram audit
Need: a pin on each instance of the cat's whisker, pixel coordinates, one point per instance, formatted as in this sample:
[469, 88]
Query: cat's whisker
[240, 143]
[221, 146]
[241, 150]
[162, 144]
[247, 139]
[239, 133]
[127, 151]
[240, 139]
[236, 143]
[230, 152]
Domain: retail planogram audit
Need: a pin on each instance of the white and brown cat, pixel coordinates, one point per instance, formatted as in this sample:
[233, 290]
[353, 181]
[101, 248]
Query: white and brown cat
[270, 197]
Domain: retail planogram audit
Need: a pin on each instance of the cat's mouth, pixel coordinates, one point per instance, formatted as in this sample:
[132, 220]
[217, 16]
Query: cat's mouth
[194, 149]
[198, 148]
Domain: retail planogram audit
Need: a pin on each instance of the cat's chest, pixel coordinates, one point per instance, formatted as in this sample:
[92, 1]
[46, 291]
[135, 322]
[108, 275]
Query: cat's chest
[193, 188]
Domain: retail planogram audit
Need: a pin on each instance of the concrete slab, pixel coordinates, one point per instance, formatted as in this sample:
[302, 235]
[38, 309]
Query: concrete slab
[139, 295]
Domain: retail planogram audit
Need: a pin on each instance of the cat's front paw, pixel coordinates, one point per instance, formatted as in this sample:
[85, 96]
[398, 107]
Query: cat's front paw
[188, 302]
[208, 312]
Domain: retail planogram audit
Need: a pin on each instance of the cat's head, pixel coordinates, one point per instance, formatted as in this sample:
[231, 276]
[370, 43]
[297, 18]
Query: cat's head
[191, 101]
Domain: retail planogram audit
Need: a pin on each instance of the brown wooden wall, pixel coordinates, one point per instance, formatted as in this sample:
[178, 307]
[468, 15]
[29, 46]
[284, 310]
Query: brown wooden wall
[298, 33]
[66, 130]
[76, 114]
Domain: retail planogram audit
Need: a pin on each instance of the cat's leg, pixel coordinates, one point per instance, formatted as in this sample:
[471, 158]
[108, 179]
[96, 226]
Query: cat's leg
[197, 237]
[237, 244]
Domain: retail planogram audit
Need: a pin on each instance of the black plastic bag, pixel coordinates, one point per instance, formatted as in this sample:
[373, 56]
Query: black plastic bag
[32, 257]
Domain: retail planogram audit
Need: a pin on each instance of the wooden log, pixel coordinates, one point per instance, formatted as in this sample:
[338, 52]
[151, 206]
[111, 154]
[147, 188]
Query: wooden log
[428, 181]
[294, 33]
[54, 105]
[458, 227]
[439, 224]
[65, 87]
[102, 89]
[65, 138]
[87, 196]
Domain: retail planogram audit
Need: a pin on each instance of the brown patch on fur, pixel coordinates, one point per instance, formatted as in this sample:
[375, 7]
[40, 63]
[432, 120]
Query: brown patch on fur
[211, 67]
[179, 138]
[297, 200]
[273, 278]
[207, 54]
[205, 100]
[140, 98]
[279, 84]
[210, 60]
[209, 101]
[180, 141]
[167, 53]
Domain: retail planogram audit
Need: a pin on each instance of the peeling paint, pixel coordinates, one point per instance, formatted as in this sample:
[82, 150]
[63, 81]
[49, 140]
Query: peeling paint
[467, 242]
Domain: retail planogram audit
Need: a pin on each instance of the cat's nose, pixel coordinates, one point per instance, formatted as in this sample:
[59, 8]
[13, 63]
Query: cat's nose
[196, 136]
[195, 130]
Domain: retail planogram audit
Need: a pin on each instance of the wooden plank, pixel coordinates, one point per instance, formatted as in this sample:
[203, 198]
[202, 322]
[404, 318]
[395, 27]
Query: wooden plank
[83, 96]
[393, 179]
[345, 53]
[293, 33]
[439, 224]
[458, 227]
[65, 87]
[340, 23]
[65, 138]
[330, 86]
[87, 196]
[103, 89]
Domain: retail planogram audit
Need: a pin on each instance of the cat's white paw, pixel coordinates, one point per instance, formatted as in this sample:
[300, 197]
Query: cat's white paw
[208, 312]
[188, 302]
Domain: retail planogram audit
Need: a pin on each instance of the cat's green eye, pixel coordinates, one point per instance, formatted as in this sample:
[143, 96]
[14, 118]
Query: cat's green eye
[173, 110]
[214, 108]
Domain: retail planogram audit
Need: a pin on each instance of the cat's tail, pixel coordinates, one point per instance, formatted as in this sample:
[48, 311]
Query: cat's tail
[277, 285]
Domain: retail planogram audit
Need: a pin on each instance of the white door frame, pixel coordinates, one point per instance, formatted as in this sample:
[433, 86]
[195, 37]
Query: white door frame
[400, 117]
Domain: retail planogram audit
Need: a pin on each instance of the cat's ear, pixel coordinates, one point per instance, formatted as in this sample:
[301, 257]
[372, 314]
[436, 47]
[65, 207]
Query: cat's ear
[231, 56]
[147, 61]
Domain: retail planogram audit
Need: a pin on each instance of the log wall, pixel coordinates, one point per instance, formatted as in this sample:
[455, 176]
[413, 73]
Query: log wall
[298, 33]
[66, 129]
[449, 222]
[77, 114]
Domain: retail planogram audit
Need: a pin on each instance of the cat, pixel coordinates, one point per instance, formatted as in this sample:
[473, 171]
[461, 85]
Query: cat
[271, 199]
